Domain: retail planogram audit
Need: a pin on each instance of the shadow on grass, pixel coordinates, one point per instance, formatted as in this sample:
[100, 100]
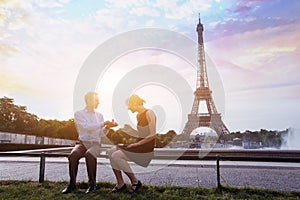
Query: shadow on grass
[52, 190]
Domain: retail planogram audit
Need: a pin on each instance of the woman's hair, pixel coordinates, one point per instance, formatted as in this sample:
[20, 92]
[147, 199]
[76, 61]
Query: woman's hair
[135, 99]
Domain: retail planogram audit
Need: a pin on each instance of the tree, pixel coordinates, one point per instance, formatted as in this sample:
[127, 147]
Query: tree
[15, 118]
[68, 131]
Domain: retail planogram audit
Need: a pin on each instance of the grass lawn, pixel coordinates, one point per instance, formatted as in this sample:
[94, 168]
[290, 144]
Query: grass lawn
[52, 190]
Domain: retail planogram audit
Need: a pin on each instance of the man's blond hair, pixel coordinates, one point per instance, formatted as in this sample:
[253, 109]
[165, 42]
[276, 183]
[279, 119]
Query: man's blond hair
[90, 96]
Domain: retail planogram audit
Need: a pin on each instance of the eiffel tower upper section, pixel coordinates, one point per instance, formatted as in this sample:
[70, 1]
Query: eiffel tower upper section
[211, 118]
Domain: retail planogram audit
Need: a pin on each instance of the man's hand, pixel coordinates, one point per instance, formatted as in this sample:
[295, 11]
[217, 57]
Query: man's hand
[109, 124]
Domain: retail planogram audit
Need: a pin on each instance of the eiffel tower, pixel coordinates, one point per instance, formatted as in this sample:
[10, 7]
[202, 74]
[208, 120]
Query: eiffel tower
[211, 118]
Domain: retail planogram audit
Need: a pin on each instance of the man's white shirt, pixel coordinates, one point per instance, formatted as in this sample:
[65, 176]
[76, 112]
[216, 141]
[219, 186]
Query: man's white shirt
[89, 125]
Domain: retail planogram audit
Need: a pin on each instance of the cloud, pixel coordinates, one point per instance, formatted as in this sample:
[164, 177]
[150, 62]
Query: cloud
[6, 49]
[145, 11]
[44, 60]
[242, 6]
[13, 18]
[126, 4]
[258, 45]
[243, 16]
[50, 3]
[10, 82]
[260, 73]
[258, 60]
[245, 6]
[185, 10]
[112, 19]
[149, 23]
[64, 1]
[119, 18]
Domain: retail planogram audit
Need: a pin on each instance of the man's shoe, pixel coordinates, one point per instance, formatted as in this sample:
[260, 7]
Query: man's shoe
[91, 189]
[69, 189]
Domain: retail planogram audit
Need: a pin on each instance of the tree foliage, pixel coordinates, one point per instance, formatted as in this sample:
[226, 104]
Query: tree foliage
[57, 129]
[268, 138]
[15, 118]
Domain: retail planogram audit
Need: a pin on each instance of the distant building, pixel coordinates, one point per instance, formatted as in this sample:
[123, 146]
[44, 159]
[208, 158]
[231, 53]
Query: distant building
[237, 141]
[32, 139]
[252, 145]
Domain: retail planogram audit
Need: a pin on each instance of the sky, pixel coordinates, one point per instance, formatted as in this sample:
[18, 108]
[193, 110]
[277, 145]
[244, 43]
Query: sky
[254, 46]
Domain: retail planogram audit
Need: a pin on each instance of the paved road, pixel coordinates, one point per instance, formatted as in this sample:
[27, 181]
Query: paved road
[275, 176]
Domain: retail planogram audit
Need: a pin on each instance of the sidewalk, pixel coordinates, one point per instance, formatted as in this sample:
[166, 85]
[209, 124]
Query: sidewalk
[179, 173]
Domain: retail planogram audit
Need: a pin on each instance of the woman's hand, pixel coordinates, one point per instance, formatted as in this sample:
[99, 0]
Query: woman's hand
[122, 145]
